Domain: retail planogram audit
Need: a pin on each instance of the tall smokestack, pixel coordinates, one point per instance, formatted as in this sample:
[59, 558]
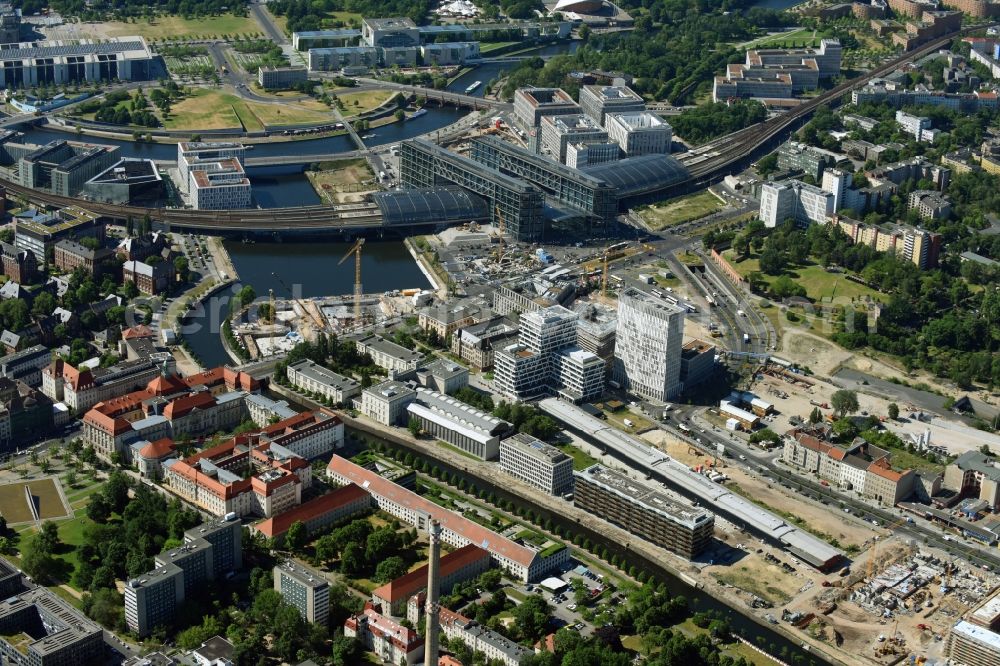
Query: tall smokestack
[433, 594]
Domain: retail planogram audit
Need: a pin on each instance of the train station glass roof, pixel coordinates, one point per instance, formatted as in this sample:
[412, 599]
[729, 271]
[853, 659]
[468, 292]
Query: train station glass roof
[635, 175]
[430, 205]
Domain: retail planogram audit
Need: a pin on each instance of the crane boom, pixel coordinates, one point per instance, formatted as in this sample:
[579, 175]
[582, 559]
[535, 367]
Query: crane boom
[356, 251]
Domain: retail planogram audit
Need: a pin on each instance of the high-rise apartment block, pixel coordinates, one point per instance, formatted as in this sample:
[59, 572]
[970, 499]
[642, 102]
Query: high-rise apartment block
[648, 345]
[795, 200]
[546, 359]
[210, 550]
[304, 588]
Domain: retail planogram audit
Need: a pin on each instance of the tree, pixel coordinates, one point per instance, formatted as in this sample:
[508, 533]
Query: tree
[414, 426]
[297, 535]
[105, 606]
[844, 402]
[893, 411]
[247, 295]
[352, 560]
[815, 416]
[531, 618]
[48, 537]
[389, 569]
[38, 562]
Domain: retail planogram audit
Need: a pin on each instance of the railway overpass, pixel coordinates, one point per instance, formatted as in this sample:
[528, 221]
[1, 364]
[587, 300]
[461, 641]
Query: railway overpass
[708, 164]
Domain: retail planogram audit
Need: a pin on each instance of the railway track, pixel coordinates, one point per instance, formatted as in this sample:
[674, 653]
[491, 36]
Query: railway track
[744, 143]
[722, 153]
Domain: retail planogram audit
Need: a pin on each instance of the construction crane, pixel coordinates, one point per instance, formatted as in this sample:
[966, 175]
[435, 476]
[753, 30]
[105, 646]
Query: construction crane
[604, 277]
[501, 230]
[356, 251]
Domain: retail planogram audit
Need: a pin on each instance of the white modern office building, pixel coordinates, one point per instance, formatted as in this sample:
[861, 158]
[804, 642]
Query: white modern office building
[191, 153]
[311, 376]
[536, 463]
[356, 58]
[794, 199]
[221, 185]
[597, 101]
[558, 131]
[648, 345]
[29, 64]
[642, 133]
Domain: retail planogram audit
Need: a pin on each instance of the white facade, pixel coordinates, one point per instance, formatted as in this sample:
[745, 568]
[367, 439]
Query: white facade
[919, 127]
[28, 64]
[536, 463]
[221, 185]
[311, 376]
[386, 402]
[579, 155]
[648, 345]
[342, 57]
[547, 360]
[449, 53]
[794, 199]
[597, 101]
[189, 153]
[642, 133]
[558, 131]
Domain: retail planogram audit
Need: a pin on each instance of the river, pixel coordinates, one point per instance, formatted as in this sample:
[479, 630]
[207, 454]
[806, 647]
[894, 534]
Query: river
[308, 270]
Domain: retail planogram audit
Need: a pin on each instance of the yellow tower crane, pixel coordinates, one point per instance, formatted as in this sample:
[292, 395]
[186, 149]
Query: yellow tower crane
[356, 251]
[604, 277]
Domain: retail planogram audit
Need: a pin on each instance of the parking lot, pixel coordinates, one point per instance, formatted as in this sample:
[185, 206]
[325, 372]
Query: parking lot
[584, 601]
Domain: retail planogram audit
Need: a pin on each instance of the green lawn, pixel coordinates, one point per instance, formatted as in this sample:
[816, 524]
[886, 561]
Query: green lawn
[487, 47]
[795, 38]
[205, 110]
[175, 27]
[820, 284]
[581, 459]
[681, 210]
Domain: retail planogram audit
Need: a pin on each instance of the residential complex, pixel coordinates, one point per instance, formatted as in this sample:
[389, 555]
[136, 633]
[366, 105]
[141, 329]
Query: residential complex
[648, 345]
[547, 360]
[536, 463]
[304, 588]
[210, 551]
[808, 160]
[26, 365]
[520, 561]
[644, 510]
[858, 466]
[793, 199]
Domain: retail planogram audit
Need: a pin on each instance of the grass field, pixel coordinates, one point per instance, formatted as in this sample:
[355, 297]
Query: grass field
[213, 109]
[47, 499]
[795, 38]
[173, 27]
[308, 111]
[679, 211]
[13, 505]
[359, 102]
[204, 109]
[820, 285]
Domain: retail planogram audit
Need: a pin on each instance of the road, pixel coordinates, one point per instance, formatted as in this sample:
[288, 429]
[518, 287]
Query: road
[266, 20]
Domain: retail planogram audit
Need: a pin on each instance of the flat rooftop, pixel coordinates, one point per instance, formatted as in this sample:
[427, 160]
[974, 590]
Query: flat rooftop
[302, 574]
[614, 93]
[574, 123]
[397, 23]
[535, 448]
[645, 495]
[640, 120]
[129, 47]
[541, 97]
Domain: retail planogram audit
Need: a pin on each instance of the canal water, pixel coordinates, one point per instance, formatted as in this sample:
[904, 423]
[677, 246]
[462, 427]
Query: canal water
[306, 270]
[490, 71]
